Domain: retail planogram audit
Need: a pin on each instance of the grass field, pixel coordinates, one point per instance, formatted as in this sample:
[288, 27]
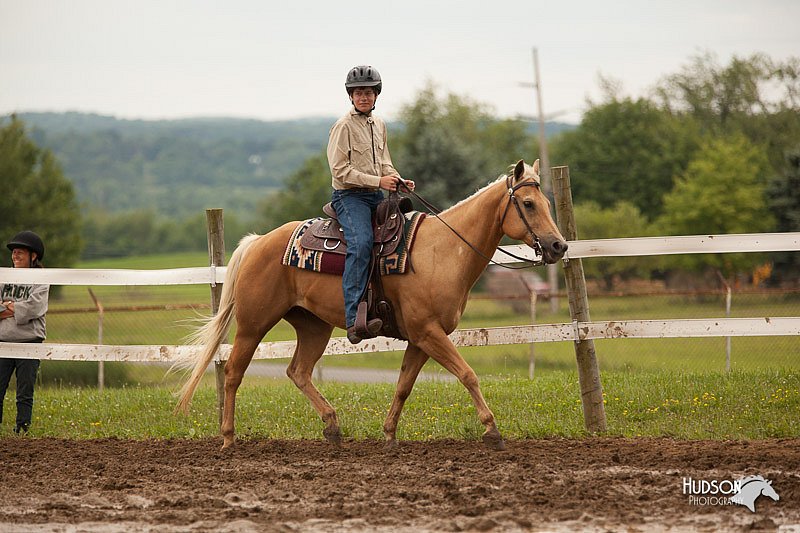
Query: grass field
[739, 405]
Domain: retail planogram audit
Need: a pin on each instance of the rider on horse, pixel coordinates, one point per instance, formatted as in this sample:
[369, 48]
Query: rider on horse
[358, 156]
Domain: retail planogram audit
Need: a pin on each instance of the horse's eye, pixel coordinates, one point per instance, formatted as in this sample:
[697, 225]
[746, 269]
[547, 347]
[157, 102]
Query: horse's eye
[528, 204]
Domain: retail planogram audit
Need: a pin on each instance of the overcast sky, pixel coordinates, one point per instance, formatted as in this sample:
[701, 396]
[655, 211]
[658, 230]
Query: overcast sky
[284, 59]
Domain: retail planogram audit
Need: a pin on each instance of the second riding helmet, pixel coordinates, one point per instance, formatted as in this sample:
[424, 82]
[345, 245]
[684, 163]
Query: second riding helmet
[29, 240]
[363, 76]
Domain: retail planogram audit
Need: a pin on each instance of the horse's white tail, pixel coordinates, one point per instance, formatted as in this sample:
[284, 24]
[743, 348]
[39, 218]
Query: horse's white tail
[211, 334]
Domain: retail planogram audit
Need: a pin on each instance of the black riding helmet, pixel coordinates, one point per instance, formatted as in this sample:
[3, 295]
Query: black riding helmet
[29, 240]
[363, 76]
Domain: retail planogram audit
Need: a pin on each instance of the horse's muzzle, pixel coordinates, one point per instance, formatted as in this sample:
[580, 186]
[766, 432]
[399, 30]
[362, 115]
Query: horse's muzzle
[553, 250]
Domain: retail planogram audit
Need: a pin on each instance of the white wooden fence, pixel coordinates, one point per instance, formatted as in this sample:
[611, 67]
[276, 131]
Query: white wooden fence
[574, 331]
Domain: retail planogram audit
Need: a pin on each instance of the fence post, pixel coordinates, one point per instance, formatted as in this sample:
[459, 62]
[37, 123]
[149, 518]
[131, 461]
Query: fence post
[728, 339]
[594, 414]
[532, 348]
[216, 257]
[727, 287]
[101, 369]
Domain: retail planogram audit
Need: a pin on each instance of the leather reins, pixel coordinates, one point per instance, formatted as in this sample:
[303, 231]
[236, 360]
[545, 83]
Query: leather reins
[537, 246]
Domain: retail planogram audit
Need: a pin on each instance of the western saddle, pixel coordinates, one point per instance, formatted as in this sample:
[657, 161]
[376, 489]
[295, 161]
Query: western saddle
[326, 235]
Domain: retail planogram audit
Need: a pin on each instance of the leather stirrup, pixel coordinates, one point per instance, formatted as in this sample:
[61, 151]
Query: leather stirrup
[361, 320]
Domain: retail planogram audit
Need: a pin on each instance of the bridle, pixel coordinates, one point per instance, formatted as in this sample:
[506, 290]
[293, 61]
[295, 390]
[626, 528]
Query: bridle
[537, 246]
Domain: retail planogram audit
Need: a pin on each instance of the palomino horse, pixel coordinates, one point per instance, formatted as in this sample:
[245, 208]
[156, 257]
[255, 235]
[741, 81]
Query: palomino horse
[428, 301]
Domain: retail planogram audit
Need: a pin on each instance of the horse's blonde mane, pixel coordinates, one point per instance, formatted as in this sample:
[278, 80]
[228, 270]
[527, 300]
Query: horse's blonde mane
[476, 193]
[528, 174]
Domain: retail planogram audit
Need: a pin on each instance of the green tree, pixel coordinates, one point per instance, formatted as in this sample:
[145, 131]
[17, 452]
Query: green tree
[622, 220]
[626, 150]
[143, 232]
[722, 191]
[123, 234]
[783, 194]
[36, 196]
[451, 146]
[306, 191]
[756, 96]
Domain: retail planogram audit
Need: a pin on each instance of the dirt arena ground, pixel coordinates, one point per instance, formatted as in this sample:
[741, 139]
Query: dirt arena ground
[594, 484]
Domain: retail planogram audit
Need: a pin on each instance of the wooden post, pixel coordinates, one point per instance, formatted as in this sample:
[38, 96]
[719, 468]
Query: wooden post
[728, 339]
[727, 287]
[532, 348]
[216, 257]
[594, 414]
[101, 369]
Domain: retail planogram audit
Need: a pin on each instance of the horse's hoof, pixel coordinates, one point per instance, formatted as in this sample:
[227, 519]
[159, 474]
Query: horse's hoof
[333, 435]
[494, 441]
[391, 445]
[228, 444]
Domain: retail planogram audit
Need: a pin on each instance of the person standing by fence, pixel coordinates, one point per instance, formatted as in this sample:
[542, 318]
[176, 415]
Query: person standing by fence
[22, 319]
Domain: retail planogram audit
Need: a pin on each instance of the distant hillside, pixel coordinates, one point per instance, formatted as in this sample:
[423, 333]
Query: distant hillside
[181, 167]
[176, 167]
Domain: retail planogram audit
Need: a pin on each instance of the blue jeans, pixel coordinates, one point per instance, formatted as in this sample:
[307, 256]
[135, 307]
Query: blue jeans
[26, 370]
[354, 209]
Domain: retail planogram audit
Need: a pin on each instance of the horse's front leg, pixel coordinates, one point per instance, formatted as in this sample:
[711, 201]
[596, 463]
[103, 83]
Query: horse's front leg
[438, 346]
[413, 361]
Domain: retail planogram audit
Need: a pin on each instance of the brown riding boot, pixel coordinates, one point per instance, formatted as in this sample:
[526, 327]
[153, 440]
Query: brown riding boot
[373, 327]
[363, 328]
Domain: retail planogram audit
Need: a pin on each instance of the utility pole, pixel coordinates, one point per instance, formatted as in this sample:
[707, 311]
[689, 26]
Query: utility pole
[544, 167]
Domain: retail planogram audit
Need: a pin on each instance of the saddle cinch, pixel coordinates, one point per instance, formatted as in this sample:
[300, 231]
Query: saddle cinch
[326, 235]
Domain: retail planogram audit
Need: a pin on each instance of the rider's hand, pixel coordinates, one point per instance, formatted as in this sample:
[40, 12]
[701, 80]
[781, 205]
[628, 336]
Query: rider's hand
[389, 183]
[408, 183]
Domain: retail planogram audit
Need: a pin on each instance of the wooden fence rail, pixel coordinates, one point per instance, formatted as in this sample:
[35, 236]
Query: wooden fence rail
[637, 246]
[574, 331]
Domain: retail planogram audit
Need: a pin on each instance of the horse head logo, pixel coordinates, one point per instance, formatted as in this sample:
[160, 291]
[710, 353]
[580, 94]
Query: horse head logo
[751, 487]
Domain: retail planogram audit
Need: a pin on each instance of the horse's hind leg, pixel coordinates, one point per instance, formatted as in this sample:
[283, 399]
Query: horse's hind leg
[312, 337]
[413, 361]
[439, 347]
[244, 346]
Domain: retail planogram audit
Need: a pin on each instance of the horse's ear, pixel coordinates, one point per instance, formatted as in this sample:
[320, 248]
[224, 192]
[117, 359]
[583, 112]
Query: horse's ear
[519, 170]
[536, 167]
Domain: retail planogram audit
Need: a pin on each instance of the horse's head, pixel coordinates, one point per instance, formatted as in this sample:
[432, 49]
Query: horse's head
[526, 215]
[767, 490]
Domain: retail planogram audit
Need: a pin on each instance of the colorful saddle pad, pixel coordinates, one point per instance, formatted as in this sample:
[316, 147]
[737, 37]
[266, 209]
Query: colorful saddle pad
[331, 263]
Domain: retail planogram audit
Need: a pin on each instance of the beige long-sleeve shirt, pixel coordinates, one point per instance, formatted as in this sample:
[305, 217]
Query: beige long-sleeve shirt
[358, 153]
